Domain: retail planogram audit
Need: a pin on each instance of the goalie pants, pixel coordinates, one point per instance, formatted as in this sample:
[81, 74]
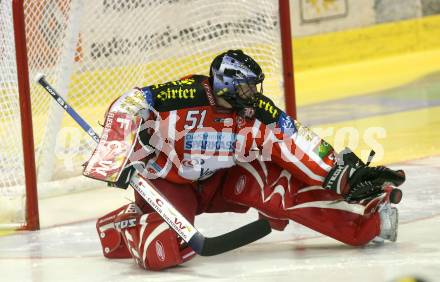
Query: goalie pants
[274, 192]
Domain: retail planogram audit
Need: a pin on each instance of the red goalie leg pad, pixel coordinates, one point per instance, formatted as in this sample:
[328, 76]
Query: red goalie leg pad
[277, 224]
[113, 246]
[338, 222]
[280, 197]
[261, 185]
[154, 246]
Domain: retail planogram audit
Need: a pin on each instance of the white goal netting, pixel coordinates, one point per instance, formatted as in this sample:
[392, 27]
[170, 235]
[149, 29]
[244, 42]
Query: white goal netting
[92, 52]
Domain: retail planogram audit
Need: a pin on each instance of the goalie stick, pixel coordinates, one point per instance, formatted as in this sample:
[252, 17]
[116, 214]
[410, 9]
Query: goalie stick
[204, 246]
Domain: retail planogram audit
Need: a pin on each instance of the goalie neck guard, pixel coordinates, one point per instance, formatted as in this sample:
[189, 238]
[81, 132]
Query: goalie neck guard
[231, 69]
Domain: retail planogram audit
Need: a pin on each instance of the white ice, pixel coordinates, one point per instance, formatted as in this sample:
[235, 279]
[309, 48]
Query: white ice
[71, 252]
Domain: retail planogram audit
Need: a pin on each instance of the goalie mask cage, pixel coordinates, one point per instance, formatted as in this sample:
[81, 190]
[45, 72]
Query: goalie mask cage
[93, 52]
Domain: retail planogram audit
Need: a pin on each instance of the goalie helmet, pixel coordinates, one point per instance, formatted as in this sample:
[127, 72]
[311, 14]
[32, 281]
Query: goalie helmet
[231, 69]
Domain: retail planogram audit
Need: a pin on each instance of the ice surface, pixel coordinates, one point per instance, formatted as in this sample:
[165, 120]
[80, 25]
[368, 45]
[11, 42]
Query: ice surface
[72, 252]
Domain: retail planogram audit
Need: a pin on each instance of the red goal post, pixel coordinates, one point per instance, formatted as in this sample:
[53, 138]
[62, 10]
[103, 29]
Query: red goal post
[94, 51]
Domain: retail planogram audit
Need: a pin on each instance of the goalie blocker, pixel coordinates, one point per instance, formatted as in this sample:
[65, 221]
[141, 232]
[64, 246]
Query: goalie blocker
[118, 151]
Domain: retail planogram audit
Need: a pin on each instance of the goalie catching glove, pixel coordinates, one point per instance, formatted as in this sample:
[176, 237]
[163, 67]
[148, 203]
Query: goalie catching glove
[356, 181]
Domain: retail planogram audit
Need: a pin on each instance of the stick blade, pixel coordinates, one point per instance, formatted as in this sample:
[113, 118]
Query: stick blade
[231, 240]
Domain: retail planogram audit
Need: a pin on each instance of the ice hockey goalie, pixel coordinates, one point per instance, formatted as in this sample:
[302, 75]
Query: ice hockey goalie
[213, 144]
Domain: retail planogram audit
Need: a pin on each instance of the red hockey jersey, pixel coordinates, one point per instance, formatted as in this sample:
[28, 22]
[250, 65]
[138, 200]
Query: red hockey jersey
[193, 137]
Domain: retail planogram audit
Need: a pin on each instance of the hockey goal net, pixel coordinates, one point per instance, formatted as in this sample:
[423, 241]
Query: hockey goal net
[92, 52]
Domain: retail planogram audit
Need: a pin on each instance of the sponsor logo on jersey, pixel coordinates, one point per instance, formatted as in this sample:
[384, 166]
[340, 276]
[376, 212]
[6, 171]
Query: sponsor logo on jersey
[148, 95]
[131, 100]
[174, 94]
[225, 121]
[304, 132]
[192, 162]
[268, 107]
[175, 90]
[287, 125]
[208, 91]
[323, 149]
[187, 81]
[210, 141]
